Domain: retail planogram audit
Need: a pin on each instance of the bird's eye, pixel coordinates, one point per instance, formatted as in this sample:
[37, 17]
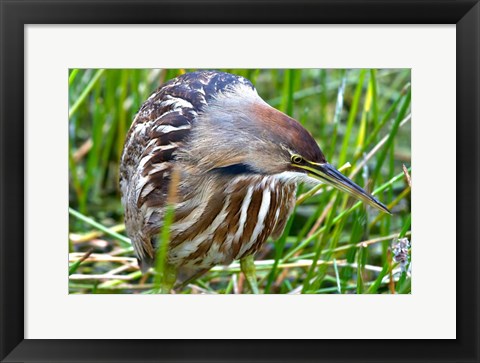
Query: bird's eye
[296, 159]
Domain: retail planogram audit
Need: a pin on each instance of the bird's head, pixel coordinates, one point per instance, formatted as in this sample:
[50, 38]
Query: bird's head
[239, 133]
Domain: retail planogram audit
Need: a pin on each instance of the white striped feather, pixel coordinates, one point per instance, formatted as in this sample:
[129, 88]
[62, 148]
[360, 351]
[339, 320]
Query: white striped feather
[243, 213]
[260, 218]
[185, 249]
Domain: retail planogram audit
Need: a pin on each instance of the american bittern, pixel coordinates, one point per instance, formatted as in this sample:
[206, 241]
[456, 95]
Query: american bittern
[239, 162]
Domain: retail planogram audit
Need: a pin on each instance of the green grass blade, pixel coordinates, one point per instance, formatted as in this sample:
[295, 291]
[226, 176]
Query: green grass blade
[351, 118]
[85, 92]
[391, 137]
[161, 258]
[124, 241]
[72, 76]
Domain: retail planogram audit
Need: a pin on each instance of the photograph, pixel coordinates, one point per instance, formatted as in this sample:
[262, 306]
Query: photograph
[239, 181]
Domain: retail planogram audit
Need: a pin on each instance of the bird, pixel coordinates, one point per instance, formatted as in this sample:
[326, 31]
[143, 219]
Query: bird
[233, 163]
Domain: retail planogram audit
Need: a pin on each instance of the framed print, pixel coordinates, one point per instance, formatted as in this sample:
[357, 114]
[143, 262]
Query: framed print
[87, 69]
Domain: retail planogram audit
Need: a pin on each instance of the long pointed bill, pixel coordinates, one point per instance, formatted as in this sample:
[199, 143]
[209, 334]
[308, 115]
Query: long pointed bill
[329, 175]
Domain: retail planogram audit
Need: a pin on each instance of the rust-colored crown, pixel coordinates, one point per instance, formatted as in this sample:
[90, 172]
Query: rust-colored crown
[289, 132]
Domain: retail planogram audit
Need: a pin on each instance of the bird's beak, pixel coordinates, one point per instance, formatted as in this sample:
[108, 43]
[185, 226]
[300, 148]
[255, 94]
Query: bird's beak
[329, 175]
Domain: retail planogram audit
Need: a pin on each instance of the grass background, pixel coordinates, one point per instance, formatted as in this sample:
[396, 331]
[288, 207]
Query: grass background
[331, 244]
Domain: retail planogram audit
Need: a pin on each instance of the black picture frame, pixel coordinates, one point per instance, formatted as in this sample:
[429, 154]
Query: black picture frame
[15, 14]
